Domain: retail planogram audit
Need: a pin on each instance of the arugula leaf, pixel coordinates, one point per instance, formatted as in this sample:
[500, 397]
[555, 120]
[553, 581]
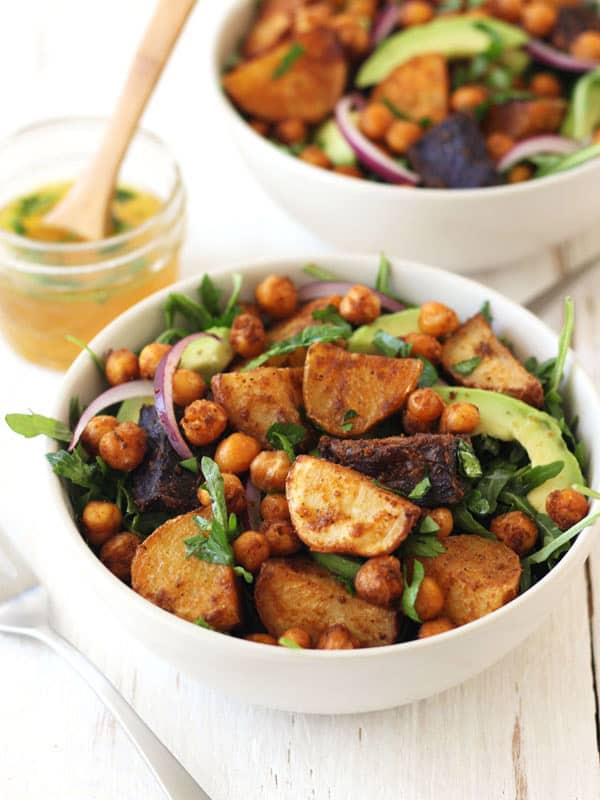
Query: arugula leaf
[468, 462]
[542, 371]
[585, 490]
[73, 468]
[285, 436]
[232, 309]
[429, 376]
[216, 489]
[210, 296]
[486, 445]
[466, 522]
[564, 538]
[202, 623]
[468, 366]
[30, 425]
[329, 314]
[243, 573]
[194, 313]
[148, 522]
[75, 412]
[191, 464]
[411, 590]
[420, 489]
[493, 482]
[391, 346]
[564, 343]
[529, 478]
[549, 530]
[172, 335]
[295, 52]
[428, 525]
[477, 503]
[496, 46]
[284, 641]
[422, 545]
[342, 567]
[486, 312]
[320, 273]
[95, 358]
[310, 335]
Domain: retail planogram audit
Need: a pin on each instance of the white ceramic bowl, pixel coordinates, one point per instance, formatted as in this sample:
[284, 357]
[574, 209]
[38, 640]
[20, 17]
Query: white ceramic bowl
[318, 681]
[463, 230]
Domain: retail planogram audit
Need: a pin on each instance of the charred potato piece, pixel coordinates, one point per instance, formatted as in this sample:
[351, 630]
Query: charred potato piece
[187, 587]
[307, 90]
[520, 119]
[335, 509]
[257, 399]
[498, 370]
[418, 88]
[341, 388]
[296, 592]
[273, 23]
[477, 576]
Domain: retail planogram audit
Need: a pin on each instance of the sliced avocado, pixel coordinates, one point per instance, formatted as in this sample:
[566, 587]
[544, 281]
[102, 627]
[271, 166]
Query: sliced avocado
[583, 116]
[457, 37]
[329, 138]
[509, 420]
[207, 355]
[398, 324]
[130, 409]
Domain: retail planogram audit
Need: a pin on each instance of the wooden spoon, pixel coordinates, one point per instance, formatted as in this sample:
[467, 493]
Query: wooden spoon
[85, 210]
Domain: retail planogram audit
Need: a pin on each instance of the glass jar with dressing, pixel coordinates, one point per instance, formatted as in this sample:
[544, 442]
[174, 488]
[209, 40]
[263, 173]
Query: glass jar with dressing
[54, 289]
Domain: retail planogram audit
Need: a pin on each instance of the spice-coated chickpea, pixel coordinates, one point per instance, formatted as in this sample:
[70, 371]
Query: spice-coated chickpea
[124, 448]
[401, 135]
[425, 405]
[508, 10]
[251, 550]
[348, 169]
[566, 507]
[467, 98]
[443, 517]
[236, 453]
[587, 46]
[276, 295]
[95, 430]
[121, 366]
[437, 319]
[337, 637]
[430, 599]
[351, 34]
[291, 131]
[117, 554]
[425, 346]
[459, 418]
[498, 144]
[360, 305]
[188, 386]
[539, 18]
[269, 470]
[274, 507]
[248, 335]
[412, 424]
[299, 636]
[519, 173]
[261, 638]
[260, 126]
[283, 539]
[435, 627]
[235, 494]
[150, 357]
[545, 84]
[101, 520]
[249, 308]
[307, 18]
[379, 581]
[316, 156]
[375, 120]
[415, 12]
[203, 422]
[516, 530]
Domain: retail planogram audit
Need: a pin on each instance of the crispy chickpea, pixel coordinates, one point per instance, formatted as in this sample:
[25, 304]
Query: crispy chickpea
[467, 98]
[401, 135]
[150, 357]
[274, 507]
[566, 507]
[519, 173]
[261, 638]
[587, 46]
[337, 637]
[360, 305]
[508, 10]
[545, 84]
[379, 581]
[117, 554]
[412, 424]
[316, 156]
[251, 550]
[188, 386]
[248, 335]
[291, 131]
[498, 144]
[430, 599]
[101, 521]
[538, 18]
[121, 366]
[124, 448]
[443, 517]
[349, 170]
[283, 539]
[415, 12]
[260, 126]
[375, 120]
[299, 636]
[516, 530]
[276, 295]
[95, 430]
[436, 319]
[435, 626]
[424, 345]
[459, 418]
[236, 453]
[425, 405]
[352, 35]
[249, 308]
[269, 470]
[203, 422]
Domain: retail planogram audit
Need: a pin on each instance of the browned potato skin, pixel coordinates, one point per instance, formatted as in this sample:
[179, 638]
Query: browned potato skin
[477, 576]
[335, 509]
[303, 318]
[520, 119]
[498, 370]
[187, 587]
[419, 88]
[273, 23]
[307, 91]
[297, 593]
[374, 386]
[257, 399]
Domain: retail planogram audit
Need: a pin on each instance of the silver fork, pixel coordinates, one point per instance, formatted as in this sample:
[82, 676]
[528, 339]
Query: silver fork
[24, 611]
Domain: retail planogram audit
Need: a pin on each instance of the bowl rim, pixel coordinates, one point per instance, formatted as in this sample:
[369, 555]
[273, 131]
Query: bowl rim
[330, 178]
[182, 628]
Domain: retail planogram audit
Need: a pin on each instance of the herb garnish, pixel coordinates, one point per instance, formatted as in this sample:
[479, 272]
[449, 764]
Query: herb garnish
[329, 314]
[295, 52]
[429, 376]
[285, 641]
[428, 525]
[342, 567]
[467, 366]
[311, 335]
[411, 590]
[486, 312]
[320, 273]
[285, 436]
[202, 623]
[468, 462]
[391, 346]
[347, 423]
[420, 489]
[422, 545]
[95, 358]
[204, 313]
[30, 425]
[191, 464]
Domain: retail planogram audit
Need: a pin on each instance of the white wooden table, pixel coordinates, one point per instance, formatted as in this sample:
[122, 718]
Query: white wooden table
[525, 729]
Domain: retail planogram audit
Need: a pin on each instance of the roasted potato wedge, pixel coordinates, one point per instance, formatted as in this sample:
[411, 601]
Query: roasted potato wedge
[307, 90]
[296, 592]
[521, 119]
[302, 319]
[418, 88]
[187, 587]
[273, 23]
[372, 387]
[498, 370]
[335, 509]
[257, 399]
[478, 576]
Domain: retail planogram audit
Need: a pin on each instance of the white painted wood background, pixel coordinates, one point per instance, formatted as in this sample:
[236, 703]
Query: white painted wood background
[525, 729]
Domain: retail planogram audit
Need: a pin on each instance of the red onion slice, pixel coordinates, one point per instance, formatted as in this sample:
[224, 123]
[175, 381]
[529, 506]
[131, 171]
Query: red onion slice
[163, 393]
[310, 291]
[535, 146]
[547, 54]
[385, 22]
[124, 391]
[252, 506]
[370, 155]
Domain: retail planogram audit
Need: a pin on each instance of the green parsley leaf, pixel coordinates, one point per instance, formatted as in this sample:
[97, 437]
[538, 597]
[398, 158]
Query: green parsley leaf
[191, 464]
[30, 425]
[310, 335]
[467, 366]
[320, 273]
[95, 358]
[202, 623]
[468, 462]
[420, 489]
[411, 590]
[284, 641]
[295, 52]
[285, 436]
[391, 346]
[465, 522]
[342, 567]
